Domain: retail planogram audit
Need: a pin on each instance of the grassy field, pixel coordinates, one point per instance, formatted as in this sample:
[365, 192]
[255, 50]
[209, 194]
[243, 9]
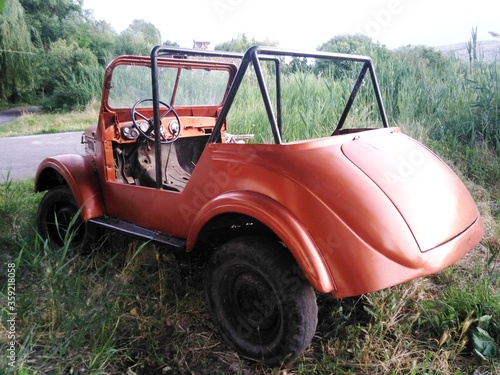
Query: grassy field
[130, 309]
[126, 308]
[46, 123]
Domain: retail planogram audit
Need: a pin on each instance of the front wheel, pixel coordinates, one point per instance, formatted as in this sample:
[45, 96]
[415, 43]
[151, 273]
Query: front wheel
[261, 302]
[59, 221]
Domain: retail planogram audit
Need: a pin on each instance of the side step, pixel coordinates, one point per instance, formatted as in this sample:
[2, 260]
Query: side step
[132, 230]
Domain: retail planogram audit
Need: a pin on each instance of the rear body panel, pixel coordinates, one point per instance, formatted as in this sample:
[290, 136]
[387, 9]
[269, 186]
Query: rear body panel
[364, 231]
[430, 197]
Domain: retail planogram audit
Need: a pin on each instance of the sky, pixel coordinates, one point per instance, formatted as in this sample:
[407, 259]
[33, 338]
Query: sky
[306, 24]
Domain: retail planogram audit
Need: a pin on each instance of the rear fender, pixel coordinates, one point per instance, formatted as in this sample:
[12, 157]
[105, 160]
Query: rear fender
[278, 219]
[76, 171]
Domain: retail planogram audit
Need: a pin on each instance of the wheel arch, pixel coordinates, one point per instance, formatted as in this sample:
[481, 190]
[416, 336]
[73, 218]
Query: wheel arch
[78, 173]
[268, 217]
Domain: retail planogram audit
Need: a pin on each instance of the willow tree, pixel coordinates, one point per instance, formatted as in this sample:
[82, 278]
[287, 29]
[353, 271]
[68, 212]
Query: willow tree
[17, 54]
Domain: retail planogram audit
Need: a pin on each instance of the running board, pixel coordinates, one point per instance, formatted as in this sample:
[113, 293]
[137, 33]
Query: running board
[132, 230]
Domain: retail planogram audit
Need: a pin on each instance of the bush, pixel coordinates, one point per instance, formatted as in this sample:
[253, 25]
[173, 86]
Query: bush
[75, 90]
[74, 77]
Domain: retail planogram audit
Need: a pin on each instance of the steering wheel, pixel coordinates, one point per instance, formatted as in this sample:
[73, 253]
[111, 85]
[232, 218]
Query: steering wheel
[146, 127]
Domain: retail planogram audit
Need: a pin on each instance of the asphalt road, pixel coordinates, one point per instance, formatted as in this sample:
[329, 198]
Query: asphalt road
[20, 156]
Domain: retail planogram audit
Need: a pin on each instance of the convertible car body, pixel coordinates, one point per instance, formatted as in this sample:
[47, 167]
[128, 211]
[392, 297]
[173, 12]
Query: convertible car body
[252, 155]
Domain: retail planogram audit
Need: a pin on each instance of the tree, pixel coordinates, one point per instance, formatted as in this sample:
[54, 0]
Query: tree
[426, 57]
[17, 54]
[351, 44]
[103, 40]
[52, 20]
[241, 43]
[297, 64]
[139, 38]
[72, 76]
[170, 43]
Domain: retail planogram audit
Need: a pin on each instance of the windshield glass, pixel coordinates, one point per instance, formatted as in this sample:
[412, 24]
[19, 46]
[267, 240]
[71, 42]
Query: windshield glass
[177, 86]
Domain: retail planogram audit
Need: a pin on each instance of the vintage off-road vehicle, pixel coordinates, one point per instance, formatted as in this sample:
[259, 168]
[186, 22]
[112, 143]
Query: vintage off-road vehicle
[279, 164]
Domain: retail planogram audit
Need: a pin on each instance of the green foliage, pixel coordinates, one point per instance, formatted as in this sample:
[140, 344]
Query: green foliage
[79, 77]
[484, 85]
[472, 47]
[298, 65]
[420, 85]
[139, 38]
[75, 89]
[484, 345]
[103, 40]
[17, 69]
[43, 123]
[467, 313]
[353, 44]
[49, 49]
[170, 43]
[242, 42]
[54, 19]
[350, 44]
[17, 211]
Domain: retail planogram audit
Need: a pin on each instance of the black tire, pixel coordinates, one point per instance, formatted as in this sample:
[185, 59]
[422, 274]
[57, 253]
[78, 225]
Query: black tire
[259, 299]
[57, 214]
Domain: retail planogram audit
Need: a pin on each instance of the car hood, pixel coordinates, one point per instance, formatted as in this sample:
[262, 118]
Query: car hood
[429, 196]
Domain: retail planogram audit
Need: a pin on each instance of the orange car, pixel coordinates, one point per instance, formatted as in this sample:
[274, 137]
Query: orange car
[323, 197]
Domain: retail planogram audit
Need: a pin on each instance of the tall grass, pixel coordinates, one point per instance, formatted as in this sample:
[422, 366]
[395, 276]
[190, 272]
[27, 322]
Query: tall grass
[456, 103]
[127, 308]
[311, 105]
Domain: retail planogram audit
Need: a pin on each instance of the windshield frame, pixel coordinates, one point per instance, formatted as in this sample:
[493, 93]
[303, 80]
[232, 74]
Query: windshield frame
[173, 92]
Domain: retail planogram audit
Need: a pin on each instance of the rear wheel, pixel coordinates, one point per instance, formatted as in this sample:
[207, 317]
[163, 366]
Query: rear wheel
[260, 300]
[58, 220]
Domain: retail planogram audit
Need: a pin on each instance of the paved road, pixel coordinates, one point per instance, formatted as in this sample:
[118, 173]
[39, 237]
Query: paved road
[20, 156]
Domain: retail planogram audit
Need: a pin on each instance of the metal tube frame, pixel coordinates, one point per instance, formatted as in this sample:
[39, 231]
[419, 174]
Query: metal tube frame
[253, 56]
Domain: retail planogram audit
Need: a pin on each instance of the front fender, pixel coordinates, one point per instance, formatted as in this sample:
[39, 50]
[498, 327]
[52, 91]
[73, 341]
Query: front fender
[280, 220]
[77, 171]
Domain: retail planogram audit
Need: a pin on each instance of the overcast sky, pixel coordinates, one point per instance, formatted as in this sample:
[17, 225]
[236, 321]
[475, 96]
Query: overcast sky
[307, 24]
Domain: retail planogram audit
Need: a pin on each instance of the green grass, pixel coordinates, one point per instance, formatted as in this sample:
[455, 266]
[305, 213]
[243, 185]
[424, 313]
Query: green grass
[126, 308]
[44, 123]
